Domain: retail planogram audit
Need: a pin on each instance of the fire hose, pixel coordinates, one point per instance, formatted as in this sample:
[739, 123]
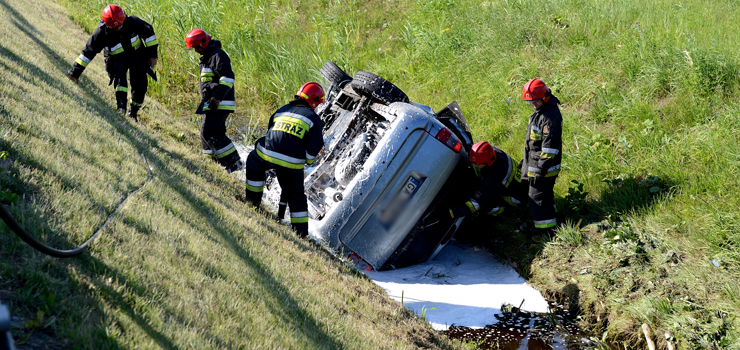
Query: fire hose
[57, 253]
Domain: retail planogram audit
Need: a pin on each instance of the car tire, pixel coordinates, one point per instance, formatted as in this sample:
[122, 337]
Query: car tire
[335, 75]
[371, 85]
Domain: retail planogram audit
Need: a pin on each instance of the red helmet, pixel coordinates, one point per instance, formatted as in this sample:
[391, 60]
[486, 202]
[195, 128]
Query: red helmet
[113, 16]
[312, 92]
[197, 37]
[482, 153]
[535, 89]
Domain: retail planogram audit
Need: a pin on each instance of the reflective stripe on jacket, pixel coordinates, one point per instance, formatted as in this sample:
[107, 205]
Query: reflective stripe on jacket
[217, 77]
[293, 137]
[135, 41]
[544, 146]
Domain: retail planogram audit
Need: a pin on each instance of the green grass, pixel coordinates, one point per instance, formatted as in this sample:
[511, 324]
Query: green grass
[185, 264]
[650, 94]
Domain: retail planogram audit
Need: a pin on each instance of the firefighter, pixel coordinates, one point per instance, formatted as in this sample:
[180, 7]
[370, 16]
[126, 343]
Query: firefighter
[542, 154]
[499, 182]
[130, 46]
[217, 99]
[293, 139]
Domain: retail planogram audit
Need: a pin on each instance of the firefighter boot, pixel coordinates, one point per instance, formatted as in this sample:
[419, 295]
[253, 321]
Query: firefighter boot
[233, 163]
[134, 112]
[121, 102]
[300, 228]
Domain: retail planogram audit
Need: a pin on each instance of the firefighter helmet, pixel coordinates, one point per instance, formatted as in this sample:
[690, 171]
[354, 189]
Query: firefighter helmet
[197, 37]
[535, 89]
[482, 153]
[113, 16]
[312, 92]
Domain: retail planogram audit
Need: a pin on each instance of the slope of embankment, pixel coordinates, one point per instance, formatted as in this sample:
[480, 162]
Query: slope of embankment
[184, 264]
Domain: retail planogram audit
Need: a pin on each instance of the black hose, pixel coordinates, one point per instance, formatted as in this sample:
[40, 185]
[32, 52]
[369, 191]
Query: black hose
[20, 232]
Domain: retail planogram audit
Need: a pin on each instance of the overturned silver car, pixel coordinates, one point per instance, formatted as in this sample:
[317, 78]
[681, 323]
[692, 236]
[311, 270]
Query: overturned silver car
[387, 165]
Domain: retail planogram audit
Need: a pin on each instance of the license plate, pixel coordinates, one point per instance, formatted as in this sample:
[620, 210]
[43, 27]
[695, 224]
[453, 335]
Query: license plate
[397, 204]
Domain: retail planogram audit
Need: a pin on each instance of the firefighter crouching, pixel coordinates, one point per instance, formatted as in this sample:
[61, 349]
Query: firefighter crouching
[130, 46]
[293, 139]
[217, 99]
[500, 183]
[542, 154]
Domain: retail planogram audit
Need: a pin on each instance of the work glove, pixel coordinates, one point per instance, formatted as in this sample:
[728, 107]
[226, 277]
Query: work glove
[212, 103]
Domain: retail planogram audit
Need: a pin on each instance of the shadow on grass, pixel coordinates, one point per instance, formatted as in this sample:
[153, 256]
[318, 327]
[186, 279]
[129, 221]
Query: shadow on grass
[632, 194]
[282, 304]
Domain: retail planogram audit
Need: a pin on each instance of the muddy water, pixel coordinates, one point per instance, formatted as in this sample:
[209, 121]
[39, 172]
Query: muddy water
[516, 329]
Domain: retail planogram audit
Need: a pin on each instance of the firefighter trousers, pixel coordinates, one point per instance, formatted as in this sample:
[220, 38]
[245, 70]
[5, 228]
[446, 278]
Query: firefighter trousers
[291, 183]
[138, 79]
[542, 204]
[214, 141]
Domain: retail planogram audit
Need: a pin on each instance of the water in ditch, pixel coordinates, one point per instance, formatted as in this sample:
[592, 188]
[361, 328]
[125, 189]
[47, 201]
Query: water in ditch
[515, 329]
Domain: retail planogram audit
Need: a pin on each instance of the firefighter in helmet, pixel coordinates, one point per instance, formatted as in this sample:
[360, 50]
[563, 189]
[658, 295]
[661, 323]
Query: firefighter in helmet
[542, 153]
[293, 140]
[129, 46]
[499, 182]
[217, 99]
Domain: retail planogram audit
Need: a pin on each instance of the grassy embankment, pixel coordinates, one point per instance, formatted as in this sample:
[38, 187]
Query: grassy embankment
[185, 264]
[650, 94]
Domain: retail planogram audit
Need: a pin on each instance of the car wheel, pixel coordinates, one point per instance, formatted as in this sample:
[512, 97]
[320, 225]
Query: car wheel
[351, 161]
[371, 85]
[335, 75]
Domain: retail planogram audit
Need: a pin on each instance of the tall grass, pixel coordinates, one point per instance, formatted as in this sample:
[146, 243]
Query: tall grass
[650, 94]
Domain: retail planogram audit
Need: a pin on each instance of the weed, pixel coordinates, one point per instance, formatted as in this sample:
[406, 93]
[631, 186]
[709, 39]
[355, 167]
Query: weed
[576, 198]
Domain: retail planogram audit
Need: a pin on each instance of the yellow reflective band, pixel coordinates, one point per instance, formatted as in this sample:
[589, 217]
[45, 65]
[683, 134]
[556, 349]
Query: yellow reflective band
[81, 62]
[309, 161]
[206, 79]
[303, 94]
[498, 211]
[135, 103]
[531, 174]
[151, 41]
[290, 125]
[535, 136]
[299, 220]
[545, 223]
[553, 173]
[115, 50]
[226, 153]
[226, 83]
[122, 88]
[255, 189]
[223, 106]
[471, 206]
[280, 162]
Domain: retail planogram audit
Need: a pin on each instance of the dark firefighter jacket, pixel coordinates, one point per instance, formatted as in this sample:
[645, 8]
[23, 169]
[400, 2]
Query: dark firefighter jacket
[216, 78]
[294, 136]
[495, 181]
[135, 43]
[544, 143]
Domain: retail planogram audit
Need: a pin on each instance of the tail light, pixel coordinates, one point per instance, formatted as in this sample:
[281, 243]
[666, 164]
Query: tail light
[448, 138]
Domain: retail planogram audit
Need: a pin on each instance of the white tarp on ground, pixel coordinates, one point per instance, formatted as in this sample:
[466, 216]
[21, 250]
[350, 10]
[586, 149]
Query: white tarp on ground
[463, 285]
